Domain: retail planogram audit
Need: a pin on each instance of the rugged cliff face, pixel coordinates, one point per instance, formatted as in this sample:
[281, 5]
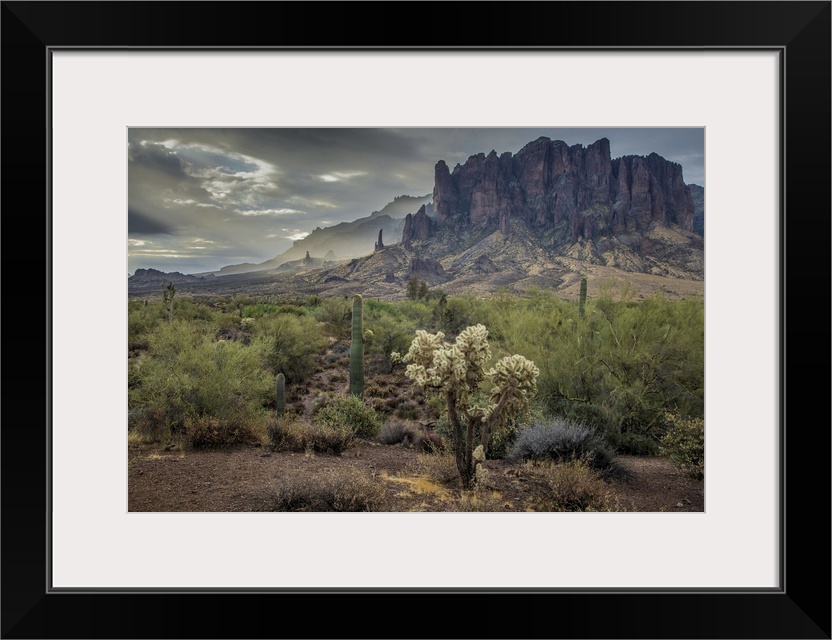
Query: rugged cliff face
[550, 185]
[416, 227]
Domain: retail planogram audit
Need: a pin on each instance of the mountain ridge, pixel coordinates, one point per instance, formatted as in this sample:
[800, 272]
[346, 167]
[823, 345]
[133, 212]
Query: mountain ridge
[543, 217]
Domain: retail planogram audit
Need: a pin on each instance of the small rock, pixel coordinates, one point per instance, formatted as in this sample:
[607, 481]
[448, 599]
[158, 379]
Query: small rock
[679, 504]
[265, 455]
[169, 447]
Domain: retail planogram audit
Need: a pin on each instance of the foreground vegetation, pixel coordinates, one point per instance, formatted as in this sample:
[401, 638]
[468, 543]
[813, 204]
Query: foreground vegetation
[580, 382]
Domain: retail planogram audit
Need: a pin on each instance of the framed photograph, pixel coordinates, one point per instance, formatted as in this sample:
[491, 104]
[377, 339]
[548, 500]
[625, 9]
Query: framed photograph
[752, 77]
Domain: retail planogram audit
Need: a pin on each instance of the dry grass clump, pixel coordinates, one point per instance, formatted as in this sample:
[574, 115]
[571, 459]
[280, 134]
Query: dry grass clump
[293, 435]
[440, 467]
[570, 486]
[331, 490]
[409, 434]
[210, 431]
[481, 500]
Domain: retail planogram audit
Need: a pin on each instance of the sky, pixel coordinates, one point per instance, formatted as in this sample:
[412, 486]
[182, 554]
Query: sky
[200, 199]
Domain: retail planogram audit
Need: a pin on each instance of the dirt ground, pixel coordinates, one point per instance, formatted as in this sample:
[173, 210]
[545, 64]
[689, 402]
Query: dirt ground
[243, 478]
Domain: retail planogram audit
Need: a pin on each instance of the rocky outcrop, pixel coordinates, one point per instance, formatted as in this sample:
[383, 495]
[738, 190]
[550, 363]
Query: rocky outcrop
[698, 195]
[380, 244]
[416, 227]
[550, 184]
[426, 269]
[146, 278]
[484, 264]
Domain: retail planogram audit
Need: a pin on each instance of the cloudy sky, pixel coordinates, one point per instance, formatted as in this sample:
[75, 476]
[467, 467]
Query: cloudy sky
[200, 199]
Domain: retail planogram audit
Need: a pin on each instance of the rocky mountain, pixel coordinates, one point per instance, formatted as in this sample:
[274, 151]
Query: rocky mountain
[698, 195]
[543, 217]
[150, 278]
[345, 240]
[580, 192]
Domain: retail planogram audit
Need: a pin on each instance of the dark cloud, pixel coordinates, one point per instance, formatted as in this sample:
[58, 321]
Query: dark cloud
[140, 224]
[242, 188]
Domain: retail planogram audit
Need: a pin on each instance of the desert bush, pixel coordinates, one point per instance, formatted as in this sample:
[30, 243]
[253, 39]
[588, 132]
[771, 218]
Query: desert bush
[186, 376]
[396, 431]
[209, 431]
[336, 316]
[149, 424]
[411, 435]
[408, 410]
[684, 443]
[560, 440]
[259, 310]
[637, 445]
[292, 344]
[351, 412]
[571, 486]
[620, 366]
[331, 490]
[293, 435]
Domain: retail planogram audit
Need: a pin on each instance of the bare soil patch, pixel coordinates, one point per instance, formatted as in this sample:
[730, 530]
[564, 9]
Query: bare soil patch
[243, 479]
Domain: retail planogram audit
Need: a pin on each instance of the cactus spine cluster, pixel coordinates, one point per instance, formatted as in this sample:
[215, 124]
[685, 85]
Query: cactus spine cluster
[357, 351]
[167, 293]
[280, 391]
[582, 303]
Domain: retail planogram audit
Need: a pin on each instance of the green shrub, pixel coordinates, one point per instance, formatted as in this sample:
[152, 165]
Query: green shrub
[684, 443]
[350, 412]
[336, 316]
[292, 344]
[637, 445]
[290, 435]
[561, 440]
[186, 380]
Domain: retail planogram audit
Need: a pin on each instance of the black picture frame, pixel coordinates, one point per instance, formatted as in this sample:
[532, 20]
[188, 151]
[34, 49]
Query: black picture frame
[800, 608]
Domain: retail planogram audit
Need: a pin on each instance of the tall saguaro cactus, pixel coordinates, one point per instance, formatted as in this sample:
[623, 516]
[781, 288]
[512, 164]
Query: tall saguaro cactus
[280, 393]
[582, 302]
[357, 351]
[167, 293]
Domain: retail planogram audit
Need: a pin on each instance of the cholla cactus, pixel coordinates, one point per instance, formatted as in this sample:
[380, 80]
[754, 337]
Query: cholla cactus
[457, 370]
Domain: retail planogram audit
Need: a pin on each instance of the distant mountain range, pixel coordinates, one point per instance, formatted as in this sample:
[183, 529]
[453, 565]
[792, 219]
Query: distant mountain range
[543, 217]
[345, 240]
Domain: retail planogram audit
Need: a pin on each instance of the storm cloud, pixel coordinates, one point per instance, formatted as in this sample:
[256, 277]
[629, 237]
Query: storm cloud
[199, 199]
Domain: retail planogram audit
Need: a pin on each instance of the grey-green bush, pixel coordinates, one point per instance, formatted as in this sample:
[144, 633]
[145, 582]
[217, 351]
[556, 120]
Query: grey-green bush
[561, 440]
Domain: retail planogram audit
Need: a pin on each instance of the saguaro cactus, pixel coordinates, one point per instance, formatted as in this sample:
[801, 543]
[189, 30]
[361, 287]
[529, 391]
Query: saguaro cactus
[357, 351]
[280, 392]
[167, 293]
[582, 302]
